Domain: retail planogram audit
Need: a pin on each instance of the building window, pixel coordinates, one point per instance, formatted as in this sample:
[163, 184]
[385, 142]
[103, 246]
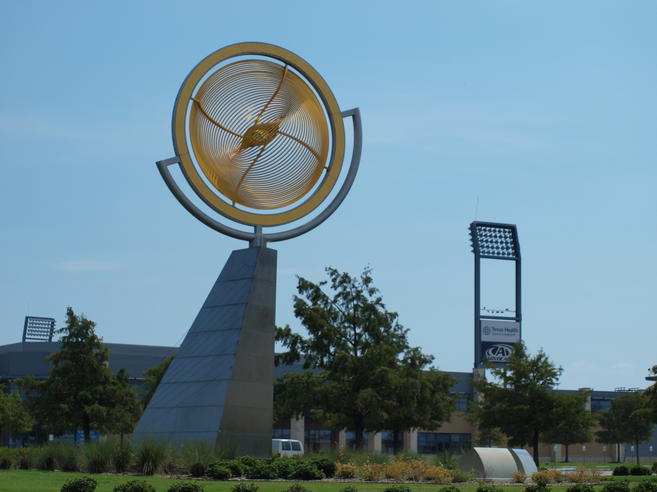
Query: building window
[281, 434]
[350, 438]
[437, 442]
[317, 440]
[461, 403]
[599, 405]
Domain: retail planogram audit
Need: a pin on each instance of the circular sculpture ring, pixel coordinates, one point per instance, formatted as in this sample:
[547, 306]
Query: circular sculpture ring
[190, 138]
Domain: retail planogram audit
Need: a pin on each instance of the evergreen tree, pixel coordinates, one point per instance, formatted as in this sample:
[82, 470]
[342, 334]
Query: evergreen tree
[573, 420]
[520, 400]
[361, 372]
[152, 378]
[80, 392]
[15, 419]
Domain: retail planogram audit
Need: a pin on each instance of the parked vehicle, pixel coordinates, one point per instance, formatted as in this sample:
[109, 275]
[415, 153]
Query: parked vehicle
[286, 447]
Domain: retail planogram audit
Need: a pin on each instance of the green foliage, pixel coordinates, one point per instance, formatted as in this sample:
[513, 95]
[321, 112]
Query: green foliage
[306, 470]
[185, 487]
[366, 376]
[218, 472]
[621, 471]
[646, 486]
[125, 408]
[581, 487]
[349, 488]
[654, 467]
[284, 466]
[135, 486]
[616, 486]
[461, 476]
[235, 467]
[150, 456]
[323, 463]
[15, 419]
[573, 421]
[449, 488]
[247, 462]
[639, 470]
[8, 458]
[537, 488]
[245, 487]
[83, 484]
[81, 392]
[97, 456]
[519, 399]
[541, 480]
[152, 378]
[486, 487]
[446, 460]
[397, 488]
[629, 419]
[296, 487]
[197, 457]
[261, 470]
[122, 456]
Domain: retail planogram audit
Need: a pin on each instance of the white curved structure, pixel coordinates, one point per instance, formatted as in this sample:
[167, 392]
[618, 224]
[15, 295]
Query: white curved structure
[489, 462]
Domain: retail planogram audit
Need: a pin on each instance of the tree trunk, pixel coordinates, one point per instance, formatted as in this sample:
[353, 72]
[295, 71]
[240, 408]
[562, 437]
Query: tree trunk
[636, 444]
[86, 427]
[567, 457]
[395, 441]
[358, 432]
[535, 447]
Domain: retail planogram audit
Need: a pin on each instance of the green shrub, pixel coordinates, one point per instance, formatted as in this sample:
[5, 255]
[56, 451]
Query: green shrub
[245, 487]
[26, 457]
[639, 470]
[261, 470]
[196, 457]
[67, 456]
[218, 472]
[397, 488]
[449, 488]
[44, 458]
[97, 456]
[446, 460]
[326, 465]
[150, 456]
[646, 486]
[654, 467]
[620, 471]
[185, 487]
[122, 456]
[537, 488]
[235, 468]
[247, 462]
[461, 476]
[296, 487]
[616, 486]
[486, 487]
[284, 466]
[581, 487]
[8, 458]
[305, 470]
[84, 484]
[349, 488]
[134, 486]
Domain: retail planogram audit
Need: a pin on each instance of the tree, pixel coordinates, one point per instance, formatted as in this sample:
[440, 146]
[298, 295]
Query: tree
[80, 391]
[361, 373]
[15, 420]
[520, 401]
[573, 420]
[628, 420]
[152, 378]
[126, 408]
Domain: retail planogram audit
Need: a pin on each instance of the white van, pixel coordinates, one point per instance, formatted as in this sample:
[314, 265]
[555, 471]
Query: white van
[286, 447]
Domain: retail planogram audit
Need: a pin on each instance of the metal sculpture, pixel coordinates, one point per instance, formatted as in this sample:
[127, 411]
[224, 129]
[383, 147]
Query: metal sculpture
[260, 139]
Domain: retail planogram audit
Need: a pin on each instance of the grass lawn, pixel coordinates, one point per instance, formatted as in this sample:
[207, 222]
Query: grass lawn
[44, 481]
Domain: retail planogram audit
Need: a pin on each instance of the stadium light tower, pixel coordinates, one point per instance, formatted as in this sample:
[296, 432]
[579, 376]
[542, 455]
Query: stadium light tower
[495, 332]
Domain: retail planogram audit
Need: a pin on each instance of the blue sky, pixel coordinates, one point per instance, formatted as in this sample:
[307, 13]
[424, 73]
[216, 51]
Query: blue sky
[542, 114]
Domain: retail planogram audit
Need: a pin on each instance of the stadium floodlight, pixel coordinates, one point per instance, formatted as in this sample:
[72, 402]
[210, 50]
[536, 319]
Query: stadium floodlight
[38, 329]
[495, 334]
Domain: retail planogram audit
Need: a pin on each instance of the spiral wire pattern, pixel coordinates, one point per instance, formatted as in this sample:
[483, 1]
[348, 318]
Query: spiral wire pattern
[259, 134]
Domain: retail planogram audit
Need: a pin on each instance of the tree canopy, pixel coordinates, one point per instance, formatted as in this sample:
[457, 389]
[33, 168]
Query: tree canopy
[15, 419]
[573, 420]
[81, 392]
[152, 378]
[629, 419]
[361, 373]
[651, 394]
[520, 399]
